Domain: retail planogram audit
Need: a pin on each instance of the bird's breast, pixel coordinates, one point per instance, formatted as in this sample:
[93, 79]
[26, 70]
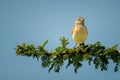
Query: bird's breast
[79, 34]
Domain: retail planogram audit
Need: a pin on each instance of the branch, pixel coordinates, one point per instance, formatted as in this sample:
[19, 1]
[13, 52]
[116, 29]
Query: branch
[96, 53]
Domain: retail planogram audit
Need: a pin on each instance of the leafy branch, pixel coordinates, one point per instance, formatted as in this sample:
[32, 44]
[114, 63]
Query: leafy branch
[96, 53]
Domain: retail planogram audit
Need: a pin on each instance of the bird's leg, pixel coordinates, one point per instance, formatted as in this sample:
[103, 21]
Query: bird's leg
[82, 45]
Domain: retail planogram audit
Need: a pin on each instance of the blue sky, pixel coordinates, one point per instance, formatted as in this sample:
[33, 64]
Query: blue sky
[34, 21]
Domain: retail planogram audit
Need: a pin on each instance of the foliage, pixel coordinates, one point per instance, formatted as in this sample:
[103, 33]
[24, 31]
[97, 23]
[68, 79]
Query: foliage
[95, 53]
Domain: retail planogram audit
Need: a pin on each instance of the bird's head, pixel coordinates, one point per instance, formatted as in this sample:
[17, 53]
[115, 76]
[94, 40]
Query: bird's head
[79, 21]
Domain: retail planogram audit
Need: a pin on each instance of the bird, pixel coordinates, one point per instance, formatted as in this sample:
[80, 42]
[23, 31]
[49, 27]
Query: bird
[79, 32]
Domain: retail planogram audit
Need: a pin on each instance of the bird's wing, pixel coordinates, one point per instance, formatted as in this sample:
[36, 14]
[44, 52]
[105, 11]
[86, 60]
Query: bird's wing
[72, 30]
[87, 30]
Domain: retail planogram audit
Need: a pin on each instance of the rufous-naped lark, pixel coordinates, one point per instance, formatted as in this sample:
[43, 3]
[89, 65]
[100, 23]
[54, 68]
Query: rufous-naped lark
[79, 31]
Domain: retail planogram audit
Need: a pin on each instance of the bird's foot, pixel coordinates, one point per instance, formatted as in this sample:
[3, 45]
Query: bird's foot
[82, 45]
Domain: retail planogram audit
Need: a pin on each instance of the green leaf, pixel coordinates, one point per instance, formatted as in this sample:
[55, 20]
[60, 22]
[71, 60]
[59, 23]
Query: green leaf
[64, 42]
[44, 44]
[95, 53]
